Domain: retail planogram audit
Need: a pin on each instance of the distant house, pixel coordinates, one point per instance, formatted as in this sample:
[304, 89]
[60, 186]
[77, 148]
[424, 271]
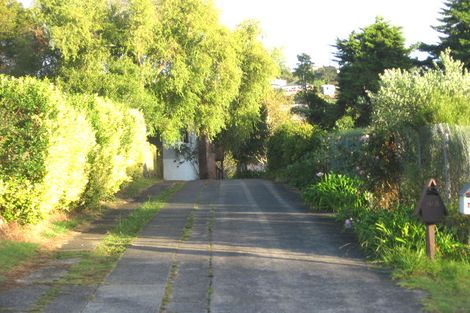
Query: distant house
[328, 90]
[292, 89]
[288, 89]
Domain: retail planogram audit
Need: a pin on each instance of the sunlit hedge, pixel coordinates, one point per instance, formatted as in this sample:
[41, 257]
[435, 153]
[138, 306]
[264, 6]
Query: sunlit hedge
[121, 146]
[59, 151]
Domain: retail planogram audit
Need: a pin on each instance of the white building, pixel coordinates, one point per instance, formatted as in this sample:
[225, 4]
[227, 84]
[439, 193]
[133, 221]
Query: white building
[328, 90]
[290, 90]
[180, 162]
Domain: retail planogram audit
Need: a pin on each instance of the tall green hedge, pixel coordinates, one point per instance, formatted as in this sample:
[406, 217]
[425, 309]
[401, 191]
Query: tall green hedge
[59, 151]
[121, 146]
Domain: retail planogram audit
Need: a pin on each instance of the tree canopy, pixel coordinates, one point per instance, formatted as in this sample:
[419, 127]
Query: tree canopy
[304, 70]
[22, 42]
[362, 57]
[455, 30]
[246, 109]
[171, 59]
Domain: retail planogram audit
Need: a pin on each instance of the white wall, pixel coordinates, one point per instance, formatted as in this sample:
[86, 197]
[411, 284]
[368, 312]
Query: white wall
[177, 167]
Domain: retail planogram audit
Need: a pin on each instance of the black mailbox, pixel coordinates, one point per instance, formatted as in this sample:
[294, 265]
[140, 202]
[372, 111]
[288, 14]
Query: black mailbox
[431, 208]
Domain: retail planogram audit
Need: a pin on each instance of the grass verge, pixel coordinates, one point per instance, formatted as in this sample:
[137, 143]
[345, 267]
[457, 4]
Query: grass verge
[134, 188]
[95, 265]
[58, 228]
[446, 282]
[13, 253]
[25, 246]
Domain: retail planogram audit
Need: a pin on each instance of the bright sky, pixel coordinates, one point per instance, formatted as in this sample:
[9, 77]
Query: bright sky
[312, 26]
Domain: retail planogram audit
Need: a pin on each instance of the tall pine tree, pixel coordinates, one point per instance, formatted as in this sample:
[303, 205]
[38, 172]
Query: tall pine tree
[455, 30]
[362, 57]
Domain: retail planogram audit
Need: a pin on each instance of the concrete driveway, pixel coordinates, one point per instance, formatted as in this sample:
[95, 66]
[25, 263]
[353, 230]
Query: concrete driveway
[242, 246]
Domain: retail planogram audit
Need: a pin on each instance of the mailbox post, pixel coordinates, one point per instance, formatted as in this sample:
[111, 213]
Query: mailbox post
[431, 211]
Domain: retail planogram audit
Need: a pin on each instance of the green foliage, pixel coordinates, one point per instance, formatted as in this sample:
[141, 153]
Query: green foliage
[275, 103]
[58, 150]
[22, 44]
[455, 30]
[170, 59]
[13, 253]
[289, 143]
[304, 70]
[121, 146]
[320, 110]
[440, 151]
[362, 57]
[279, 59]
[326, 75]
[336, 193]
[303, 172]
[423, 97]
[447, 282]
[381, 232]
[39, 129]
[253, 149]
[200, 74]
[247, 118]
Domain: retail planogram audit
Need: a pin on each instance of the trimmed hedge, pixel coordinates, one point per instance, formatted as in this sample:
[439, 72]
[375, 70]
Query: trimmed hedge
[59, 151]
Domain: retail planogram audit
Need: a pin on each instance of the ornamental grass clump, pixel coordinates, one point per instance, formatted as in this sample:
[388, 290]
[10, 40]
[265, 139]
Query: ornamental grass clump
[337, 193]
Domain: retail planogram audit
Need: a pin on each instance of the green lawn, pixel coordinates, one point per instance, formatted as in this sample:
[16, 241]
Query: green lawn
[447, 283]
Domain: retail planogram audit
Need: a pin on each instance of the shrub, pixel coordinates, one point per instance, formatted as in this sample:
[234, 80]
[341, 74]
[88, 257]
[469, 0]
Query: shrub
[417, 98]
[121, 146]
[44, 144]
[290, 143]
[381, 232]
[58, 151]
[384, 232]
[71, 141]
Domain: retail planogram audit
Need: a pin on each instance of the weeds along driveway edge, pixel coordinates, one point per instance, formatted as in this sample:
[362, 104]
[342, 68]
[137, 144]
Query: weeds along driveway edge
[95, 265]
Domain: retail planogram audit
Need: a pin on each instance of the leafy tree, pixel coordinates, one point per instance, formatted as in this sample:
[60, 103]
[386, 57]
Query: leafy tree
[74, 29]
[304, 70]
[362, 57]
[173, 59]
[277, 106]
[22, 44]
[258, 69]
[455, 28]
[253, 149]
[319, 111]
[200, 76]
[326, 75]
[284, 72]
[247, 128]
